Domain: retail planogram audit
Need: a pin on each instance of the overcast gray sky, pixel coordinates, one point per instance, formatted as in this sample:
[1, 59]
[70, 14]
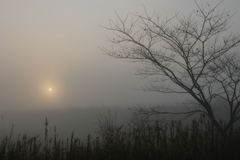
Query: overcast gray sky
[54, 43]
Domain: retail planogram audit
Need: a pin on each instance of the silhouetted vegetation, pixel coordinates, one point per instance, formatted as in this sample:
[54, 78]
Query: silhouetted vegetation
[194, 55]
[141, 138]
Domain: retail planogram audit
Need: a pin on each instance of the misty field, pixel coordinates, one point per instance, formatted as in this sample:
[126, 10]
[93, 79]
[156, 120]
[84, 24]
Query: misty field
[140, 138]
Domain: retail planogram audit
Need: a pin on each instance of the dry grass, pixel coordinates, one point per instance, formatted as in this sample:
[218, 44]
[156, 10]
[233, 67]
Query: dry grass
[142, 138]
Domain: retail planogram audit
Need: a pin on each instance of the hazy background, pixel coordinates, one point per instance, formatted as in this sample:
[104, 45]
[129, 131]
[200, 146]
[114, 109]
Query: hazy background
[55, 43]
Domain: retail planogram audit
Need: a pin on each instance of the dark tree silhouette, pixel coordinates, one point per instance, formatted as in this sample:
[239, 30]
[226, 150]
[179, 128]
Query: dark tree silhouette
[196, 53]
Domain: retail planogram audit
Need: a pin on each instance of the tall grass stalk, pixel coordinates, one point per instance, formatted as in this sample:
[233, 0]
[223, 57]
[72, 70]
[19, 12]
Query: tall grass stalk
[141, 138]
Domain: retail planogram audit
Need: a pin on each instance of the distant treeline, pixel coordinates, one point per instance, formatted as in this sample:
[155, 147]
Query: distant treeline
[141, 138]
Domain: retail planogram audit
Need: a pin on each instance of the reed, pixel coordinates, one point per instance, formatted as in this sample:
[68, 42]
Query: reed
[141, 138]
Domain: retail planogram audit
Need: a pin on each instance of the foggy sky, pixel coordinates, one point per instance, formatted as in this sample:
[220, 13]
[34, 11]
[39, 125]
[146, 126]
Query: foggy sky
[55, 43]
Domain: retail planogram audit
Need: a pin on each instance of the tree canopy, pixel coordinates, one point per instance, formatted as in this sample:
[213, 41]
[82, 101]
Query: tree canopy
[197, 53]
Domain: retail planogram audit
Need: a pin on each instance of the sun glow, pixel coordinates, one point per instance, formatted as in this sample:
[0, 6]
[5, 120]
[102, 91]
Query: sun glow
[50, 89]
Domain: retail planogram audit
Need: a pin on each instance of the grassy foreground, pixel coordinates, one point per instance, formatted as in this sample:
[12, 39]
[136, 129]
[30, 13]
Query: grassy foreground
[141, 138]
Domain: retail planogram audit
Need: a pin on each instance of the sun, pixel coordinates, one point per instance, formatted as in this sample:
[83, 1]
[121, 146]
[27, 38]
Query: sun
[50, 89]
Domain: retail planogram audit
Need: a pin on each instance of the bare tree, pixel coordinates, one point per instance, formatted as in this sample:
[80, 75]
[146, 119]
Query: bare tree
[195, 53]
